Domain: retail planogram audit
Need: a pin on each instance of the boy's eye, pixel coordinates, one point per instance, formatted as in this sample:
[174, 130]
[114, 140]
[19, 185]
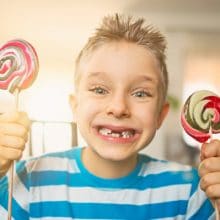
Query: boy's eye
[141, 94]
[98, 90]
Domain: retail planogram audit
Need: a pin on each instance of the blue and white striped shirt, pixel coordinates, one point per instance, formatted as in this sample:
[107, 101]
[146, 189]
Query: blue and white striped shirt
[58, 186]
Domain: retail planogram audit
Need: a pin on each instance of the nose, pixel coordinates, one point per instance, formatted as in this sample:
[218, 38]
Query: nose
[118, 106]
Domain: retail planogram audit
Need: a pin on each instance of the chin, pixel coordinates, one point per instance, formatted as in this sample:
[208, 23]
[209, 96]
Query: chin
[115, 155]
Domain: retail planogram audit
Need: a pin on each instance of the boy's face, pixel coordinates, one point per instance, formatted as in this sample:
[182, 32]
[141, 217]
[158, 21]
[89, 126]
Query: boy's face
[117, 102]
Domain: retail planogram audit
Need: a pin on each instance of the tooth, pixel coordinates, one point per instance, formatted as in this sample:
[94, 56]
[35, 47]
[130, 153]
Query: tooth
[126, 134]
[116, 135]
[109, 132]
[105, 131]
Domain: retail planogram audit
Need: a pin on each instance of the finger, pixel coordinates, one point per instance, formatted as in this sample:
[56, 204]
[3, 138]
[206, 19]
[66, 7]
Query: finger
[209, 165]
[10, 153]
[13, 129]
[10, 116]
[12, 142]
[4, 165]
[211, 149]
[209, 179]
[213, 191]
[24, 120]
[16, 117]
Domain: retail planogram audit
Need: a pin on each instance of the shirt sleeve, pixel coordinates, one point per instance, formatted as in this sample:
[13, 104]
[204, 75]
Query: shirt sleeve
[199, 205]
[20, 204]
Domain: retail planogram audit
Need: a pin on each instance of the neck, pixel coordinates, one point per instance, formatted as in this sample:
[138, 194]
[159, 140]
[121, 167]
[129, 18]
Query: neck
[105, 168]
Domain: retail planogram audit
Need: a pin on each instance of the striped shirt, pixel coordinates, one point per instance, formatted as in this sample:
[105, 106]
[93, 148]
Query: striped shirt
[58, 186]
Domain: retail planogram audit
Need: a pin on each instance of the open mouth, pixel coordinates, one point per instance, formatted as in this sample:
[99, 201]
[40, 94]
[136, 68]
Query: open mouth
[119, 133]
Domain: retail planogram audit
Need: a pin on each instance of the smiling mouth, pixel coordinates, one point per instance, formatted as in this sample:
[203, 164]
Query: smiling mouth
[116, 134]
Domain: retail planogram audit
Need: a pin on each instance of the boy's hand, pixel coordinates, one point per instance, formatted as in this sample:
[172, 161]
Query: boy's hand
[14, 127]
[209, 170]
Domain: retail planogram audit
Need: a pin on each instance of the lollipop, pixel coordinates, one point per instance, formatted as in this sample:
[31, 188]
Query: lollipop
[18, 69]
[201, 115]
[18, 65]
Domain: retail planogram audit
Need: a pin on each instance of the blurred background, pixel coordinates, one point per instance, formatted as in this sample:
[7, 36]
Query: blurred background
[58, 30]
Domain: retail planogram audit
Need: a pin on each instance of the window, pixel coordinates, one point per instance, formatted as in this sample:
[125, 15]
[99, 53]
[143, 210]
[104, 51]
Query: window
[50, 136]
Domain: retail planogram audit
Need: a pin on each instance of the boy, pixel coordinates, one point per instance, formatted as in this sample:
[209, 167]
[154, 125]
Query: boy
[119, 103]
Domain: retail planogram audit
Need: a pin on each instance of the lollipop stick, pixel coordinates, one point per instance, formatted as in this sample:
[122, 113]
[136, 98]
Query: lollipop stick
[215, 202]
[216, 211]
[10, 190]
[11, 171]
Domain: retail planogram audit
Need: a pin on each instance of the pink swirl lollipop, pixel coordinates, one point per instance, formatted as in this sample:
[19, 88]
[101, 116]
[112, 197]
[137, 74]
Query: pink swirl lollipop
[19, 65]
[18, 69]
[201, 115]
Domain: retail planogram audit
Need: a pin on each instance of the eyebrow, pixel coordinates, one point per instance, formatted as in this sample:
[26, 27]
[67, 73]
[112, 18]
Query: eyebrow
[145, 78]
[140, 78]
[95, 74]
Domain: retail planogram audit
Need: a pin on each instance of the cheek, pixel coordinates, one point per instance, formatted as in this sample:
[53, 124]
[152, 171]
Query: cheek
[86, 109]
[148, 116]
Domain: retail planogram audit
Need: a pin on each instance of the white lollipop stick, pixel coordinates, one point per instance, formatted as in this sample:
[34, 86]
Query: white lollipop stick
[11, 170]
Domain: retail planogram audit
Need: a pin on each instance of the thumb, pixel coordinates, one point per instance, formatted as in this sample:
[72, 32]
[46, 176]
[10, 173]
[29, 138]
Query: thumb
[211, 149]
[10, 116]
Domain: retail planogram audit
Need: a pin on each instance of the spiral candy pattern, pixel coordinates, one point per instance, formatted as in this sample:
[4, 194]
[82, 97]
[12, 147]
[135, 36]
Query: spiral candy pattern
[19, 65]
[201, 115]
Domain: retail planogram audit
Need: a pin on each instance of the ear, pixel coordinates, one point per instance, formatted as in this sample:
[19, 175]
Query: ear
[163, 113]
[73, 104]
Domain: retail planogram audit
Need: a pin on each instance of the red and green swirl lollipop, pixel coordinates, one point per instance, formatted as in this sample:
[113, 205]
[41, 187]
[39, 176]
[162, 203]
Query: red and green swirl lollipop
[19, 65]
[201, 115]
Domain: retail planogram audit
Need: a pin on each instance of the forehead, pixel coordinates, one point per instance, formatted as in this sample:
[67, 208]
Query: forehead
[121, 58]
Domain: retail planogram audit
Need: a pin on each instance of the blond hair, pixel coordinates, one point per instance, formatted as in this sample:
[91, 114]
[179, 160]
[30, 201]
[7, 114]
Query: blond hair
[118, 28]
